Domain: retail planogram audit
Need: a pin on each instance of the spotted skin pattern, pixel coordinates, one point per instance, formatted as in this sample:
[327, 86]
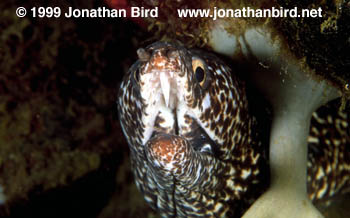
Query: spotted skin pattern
[329, 156]
[196, 150]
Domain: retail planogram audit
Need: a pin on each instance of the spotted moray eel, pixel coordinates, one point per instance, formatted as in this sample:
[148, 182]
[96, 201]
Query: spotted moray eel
[196, 150]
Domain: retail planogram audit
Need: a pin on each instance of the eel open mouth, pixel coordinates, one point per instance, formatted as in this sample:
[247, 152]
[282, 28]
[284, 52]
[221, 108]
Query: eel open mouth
[164, 86]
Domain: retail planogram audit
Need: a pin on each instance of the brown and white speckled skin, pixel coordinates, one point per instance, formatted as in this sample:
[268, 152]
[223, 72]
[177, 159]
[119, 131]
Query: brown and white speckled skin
[329, 154]
[195, 148]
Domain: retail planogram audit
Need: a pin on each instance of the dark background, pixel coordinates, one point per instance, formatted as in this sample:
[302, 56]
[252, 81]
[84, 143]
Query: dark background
[62, 153]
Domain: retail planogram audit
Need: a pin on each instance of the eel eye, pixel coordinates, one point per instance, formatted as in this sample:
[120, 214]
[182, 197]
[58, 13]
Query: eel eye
[198, 69]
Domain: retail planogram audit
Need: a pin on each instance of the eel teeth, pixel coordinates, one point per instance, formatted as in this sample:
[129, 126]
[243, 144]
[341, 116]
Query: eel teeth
[165, 85]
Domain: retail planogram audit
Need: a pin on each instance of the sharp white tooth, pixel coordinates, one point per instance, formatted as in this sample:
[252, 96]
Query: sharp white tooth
[165, 85]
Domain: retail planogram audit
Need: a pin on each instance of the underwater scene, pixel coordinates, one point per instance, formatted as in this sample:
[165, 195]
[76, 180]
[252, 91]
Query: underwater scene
[148, 108]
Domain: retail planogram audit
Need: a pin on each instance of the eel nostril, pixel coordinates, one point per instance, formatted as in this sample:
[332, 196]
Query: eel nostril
[172, 54]
[143, 54]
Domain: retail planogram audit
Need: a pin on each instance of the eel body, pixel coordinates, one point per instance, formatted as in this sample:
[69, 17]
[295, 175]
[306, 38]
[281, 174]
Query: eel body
[197, 150]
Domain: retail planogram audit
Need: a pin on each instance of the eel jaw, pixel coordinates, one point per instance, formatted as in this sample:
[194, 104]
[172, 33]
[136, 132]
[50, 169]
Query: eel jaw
[167, 153]
[166, 89]
[160, 75]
